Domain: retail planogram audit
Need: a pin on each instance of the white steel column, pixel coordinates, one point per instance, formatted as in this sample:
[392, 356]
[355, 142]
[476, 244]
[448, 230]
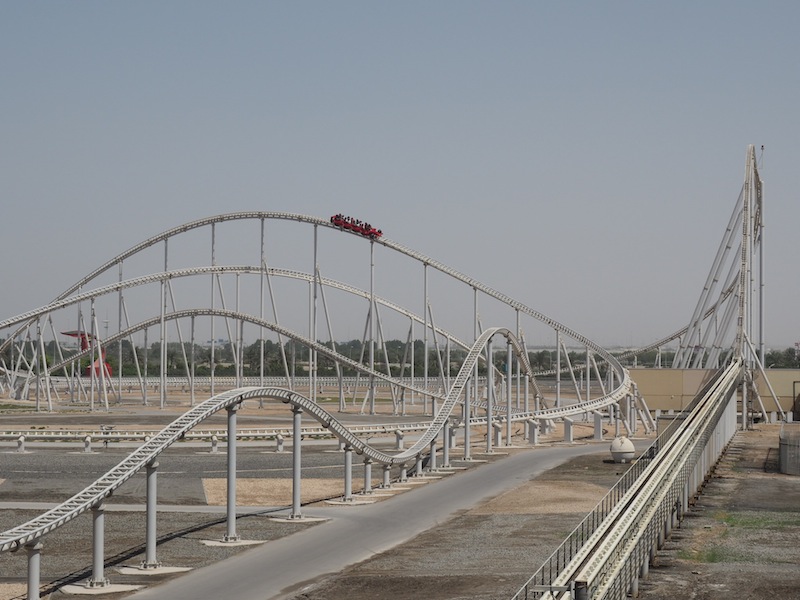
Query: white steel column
[34, 551]
[489, 396]
[150, 560]
[367, 475]
[312, 354]
[467, 401]
[425, 337]
[297, 443]
[387, 477]
[471, 390]
[93, 346]
[163, 329]
[558, 368]
[230, 535]
[521, 339]
[98, 535]
[212, 356]
[348, 473]
[372, 326]
[759, 235]
[509, 369]
[262, 264]
[447, 440]
[192, 366]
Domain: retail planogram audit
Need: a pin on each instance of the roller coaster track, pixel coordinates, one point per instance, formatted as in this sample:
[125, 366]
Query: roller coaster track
[602, 558]
[465, 372]
[146, 453]
[326, 223]
[66, 299]
[215, 270]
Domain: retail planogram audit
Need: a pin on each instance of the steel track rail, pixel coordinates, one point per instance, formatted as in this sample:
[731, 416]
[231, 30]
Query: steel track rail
[473, 356]
[197, 271]
[658, 494]
[213, 270]
[147, 452]
[610, 544]
[612, 361]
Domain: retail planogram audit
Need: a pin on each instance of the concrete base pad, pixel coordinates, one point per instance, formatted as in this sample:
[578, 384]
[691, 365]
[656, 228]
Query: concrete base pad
[353, 502]
[152, 570]
[111, 588]
[421, 480]
[302, 519]
[236, 543]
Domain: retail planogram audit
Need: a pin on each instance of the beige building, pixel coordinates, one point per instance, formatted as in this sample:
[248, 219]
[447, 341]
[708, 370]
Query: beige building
[673, 389]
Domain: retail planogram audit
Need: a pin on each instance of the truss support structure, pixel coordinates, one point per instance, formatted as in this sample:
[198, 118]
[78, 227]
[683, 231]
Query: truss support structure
[730, 312]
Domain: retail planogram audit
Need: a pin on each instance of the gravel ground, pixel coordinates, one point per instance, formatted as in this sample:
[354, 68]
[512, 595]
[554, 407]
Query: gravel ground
[67, 552]
[740, 540]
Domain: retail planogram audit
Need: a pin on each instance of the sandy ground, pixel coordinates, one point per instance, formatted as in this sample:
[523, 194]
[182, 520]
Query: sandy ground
[272, 492]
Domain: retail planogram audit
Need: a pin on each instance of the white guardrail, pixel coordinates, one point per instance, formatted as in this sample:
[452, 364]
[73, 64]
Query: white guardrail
[606, 554]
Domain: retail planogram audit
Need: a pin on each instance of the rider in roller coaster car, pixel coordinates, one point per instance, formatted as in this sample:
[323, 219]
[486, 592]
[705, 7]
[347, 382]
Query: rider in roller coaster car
[365, 229]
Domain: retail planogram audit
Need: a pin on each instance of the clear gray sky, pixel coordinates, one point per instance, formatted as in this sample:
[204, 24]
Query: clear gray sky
[582, 157]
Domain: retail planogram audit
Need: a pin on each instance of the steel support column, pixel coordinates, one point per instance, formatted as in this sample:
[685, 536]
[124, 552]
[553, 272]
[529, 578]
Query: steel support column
[489, 397]
[448, 437]
[372, 326]
[230, 535]
[98, 535]
[467, 417]
[348, 473]
[509, 369]
[150, 560]
[387, 477]
[297, 443]
[34, 551]
[367, 475]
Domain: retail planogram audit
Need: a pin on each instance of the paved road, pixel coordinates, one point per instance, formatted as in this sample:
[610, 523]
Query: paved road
[278, 569]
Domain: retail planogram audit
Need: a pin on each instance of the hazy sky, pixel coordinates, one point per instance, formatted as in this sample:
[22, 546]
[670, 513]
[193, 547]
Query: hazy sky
[581, 157]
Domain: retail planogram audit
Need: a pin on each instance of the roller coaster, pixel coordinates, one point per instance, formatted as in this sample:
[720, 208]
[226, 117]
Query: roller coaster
[465, 385]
